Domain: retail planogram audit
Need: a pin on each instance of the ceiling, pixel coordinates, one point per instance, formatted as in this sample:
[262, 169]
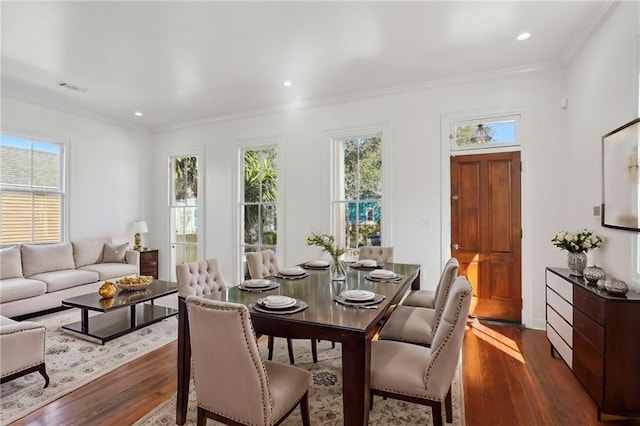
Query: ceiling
[185, 62]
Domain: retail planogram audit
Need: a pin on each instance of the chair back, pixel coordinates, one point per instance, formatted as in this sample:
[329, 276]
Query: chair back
[262, 264]
[380, 254]
[449, 274]
[229, 376]
[200, 278]
[447, 341]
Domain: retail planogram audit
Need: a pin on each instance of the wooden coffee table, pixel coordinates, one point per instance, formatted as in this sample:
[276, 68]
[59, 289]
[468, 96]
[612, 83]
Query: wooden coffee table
[115, 321]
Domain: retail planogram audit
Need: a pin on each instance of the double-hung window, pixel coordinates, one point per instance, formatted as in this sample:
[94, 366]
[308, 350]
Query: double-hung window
[32, 183]
[259, 200]
[357, 192]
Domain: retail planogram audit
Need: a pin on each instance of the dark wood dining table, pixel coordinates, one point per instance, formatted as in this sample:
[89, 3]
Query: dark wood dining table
[324, 319]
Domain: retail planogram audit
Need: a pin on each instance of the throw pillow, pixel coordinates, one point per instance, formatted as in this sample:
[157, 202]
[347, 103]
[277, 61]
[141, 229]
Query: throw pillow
[114, 253]
[10, 263]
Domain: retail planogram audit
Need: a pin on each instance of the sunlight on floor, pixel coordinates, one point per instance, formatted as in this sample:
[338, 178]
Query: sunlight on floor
[497, 340]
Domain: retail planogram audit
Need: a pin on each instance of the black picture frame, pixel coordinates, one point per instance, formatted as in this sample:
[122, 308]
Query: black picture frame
[620, 184]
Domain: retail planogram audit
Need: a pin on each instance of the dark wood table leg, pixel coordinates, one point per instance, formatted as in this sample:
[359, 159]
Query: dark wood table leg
[356, 364]
[184, 362]
[84, 321]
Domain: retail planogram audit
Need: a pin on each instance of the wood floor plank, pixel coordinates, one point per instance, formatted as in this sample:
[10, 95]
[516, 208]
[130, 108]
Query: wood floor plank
[509, 378]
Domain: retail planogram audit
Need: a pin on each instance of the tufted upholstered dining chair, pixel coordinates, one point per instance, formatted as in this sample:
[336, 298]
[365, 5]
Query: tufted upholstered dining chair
[233, 384]
[414, 324]
[264, 264]
[380, 254]
[427, 298]
[424, 375]
[200, 278]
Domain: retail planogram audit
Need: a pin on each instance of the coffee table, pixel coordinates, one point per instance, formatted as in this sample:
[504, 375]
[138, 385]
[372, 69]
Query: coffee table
[115, 321]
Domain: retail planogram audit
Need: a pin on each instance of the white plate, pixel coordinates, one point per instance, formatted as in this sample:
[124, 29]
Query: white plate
[358, 295]
[382, 273]
[368, 263]
[318, 263]
[257, 283]
[292, 271]
[279, 302]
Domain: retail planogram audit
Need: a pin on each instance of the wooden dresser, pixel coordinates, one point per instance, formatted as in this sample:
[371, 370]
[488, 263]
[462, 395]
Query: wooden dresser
[598, 336]
[149, 262]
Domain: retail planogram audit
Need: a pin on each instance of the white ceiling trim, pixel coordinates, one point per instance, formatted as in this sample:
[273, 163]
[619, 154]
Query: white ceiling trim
[389, 91]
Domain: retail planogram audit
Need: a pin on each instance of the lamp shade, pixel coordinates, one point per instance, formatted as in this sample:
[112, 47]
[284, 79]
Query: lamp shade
[139, 227]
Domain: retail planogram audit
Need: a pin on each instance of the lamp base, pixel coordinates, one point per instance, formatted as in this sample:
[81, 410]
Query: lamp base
[136, 242]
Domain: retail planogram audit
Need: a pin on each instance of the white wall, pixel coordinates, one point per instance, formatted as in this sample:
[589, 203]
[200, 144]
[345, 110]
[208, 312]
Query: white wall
[603, 95]
[107, 168]
[414, 120]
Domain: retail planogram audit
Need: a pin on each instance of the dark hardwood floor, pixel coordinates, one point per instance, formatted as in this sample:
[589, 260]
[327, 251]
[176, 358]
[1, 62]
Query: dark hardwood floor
[509, 378]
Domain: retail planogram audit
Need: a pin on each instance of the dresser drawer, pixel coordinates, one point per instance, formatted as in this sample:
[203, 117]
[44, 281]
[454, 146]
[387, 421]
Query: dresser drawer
[560, 305]
[562, 327]
[590, 329]
[560, 286]
[150, 256]
[589, 303]
[560, 345]
[588, 355]
[589, 381]
[148, 268]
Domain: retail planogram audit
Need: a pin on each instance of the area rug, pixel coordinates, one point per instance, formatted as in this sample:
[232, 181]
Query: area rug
[325, 394]
[73, 362]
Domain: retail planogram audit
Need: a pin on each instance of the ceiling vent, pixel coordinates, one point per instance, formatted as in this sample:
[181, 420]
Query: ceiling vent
[71, 86]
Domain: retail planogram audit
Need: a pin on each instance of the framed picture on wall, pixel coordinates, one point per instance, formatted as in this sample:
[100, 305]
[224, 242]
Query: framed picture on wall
[620, 184]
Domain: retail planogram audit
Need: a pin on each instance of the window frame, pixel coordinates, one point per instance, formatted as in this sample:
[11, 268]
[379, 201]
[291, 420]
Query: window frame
[63, 176]
[242, 148]
[335, 138]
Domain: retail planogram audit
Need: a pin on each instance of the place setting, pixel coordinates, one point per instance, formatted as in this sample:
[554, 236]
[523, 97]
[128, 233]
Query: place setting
[365, 264]
[258, 285]
[383, 275]
[316, 264]
[277, 304]
[363, 299]
[292, 273]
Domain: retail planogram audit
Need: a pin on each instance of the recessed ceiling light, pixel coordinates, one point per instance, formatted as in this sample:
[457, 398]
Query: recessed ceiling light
[523, 36]
[287, 83]
[137, 114]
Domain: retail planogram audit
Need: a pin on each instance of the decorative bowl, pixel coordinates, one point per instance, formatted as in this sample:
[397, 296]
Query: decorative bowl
[616, 287]
[135, 283]
[593, 273]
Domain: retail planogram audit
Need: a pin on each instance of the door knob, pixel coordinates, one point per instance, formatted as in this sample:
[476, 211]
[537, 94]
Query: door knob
[455, 246]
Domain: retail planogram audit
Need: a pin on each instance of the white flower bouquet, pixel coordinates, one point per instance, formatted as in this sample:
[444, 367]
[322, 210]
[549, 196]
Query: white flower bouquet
[580, 241]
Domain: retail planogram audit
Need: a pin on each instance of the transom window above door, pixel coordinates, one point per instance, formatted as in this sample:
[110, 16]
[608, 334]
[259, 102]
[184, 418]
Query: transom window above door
[491, 132]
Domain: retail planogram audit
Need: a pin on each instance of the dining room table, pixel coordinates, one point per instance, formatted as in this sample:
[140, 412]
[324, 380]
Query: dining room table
[321, 317]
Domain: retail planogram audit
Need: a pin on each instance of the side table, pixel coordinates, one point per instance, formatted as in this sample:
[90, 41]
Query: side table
[149, 262]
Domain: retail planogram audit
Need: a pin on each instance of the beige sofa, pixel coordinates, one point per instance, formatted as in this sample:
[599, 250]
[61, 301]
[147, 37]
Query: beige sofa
[37, 277]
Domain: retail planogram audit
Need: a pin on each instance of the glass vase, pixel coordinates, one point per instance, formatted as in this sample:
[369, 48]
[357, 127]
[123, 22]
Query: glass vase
[576, 262]
[337, 270]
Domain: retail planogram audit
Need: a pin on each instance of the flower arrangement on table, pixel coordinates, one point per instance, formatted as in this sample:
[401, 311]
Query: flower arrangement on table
[580, 241]
[577, 243]
[328, 244]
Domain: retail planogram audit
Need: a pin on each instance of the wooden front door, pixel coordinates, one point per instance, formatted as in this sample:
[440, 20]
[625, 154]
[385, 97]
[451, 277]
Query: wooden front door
[486, 230]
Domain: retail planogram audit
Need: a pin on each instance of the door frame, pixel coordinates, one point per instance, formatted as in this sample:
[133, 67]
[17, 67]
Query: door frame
[525, 207]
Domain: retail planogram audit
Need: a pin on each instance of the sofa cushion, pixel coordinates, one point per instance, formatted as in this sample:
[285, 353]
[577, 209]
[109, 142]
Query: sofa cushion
[107, 271]
[59, 280]
[10, 263]
[20, 288]
[37, 259]
[114, 253]
[88, 252]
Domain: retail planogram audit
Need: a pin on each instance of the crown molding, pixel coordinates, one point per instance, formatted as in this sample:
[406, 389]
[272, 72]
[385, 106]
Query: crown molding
[588, 30]
[389, 91]
[72, 110]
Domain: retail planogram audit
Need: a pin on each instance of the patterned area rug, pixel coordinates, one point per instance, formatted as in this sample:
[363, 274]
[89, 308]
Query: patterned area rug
[73, 362]
[325, 394]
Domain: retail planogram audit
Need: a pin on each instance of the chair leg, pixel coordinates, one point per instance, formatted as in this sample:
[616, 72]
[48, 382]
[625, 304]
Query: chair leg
[333, 345]
[42, 369]
[314, 350]
[290, 349]
[436, 412]
[270, 347]
[448, 409]
[304, 409]
[201, 417]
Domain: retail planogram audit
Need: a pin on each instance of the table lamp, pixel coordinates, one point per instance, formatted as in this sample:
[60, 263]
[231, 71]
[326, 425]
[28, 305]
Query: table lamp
[139, 227]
